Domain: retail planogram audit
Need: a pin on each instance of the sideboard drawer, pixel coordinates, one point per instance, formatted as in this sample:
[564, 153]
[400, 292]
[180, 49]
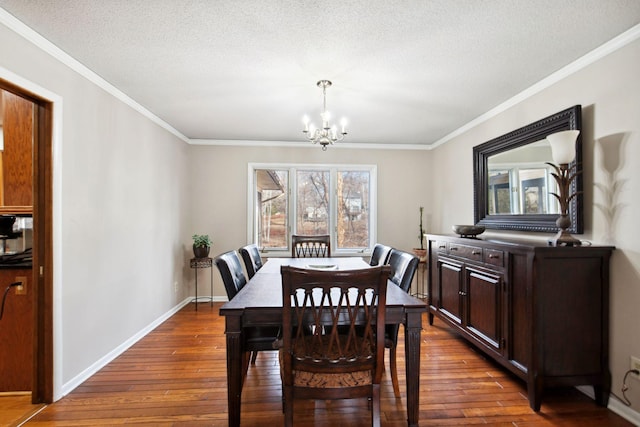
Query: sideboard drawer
[441, 246]
[469, 252]
[494, 257]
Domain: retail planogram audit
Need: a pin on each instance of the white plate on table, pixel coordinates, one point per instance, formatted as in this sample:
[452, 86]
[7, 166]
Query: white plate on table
[322, 266]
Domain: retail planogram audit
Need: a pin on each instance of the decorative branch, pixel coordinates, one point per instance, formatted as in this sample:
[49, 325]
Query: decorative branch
[421, 237]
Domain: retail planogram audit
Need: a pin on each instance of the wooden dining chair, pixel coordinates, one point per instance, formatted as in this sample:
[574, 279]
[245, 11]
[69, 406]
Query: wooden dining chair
[310, 246]
[255, 338]
[330, 362]
[252, 260]
[380, 254]
[403, 268]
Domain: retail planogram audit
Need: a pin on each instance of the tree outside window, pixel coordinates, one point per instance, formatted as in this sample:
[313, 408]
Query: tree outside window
[334, 200]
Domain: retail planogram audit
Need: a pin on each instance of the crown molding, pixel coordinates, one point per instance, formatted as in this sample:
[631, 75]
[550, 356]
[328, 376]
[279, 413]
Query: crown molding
[29, 34]
[299, 144]
[609, 47]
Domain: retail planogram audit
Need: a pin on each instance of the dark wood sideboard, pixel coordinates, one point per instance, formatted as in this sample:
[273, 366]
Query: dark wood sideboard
[540, 311]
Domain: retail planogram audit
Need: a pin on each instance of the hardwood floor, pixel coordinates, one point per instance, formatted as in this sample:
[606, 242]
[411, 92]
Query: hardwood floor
[15, 408]
[176, 376]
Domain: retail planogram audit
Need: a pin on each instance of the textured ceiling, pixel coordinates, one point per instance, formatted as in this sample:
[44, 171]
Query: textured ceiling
[403, 71]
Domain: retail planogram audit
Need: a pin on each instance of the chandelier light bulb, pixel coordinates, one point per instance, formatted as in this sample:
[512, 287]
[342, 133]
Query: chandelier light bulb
[343, 124]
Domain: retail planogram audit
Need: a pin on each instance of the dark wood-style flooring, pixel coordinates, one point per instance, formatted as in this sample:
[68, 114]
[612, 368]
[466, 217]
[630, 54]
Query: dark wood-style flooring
[176, 376]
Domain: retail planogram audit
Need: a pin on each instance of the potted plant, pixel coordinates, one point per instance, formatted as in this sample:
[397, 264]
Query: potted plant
[421, 252]
[201, 245]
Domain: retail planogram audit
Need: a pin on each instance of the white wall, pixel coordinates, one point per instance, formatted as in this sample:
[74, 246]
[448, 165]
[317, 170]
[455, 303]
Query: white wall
[219, 178]
[123, 199]
[609, 92]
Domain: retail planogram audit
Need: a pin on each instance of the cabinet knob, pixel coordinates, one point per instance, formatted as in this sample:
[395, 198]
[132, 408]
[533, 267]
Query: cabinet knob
[461, 293]
[453, 248]
[476, 253]
[441, 247]
[494, 256]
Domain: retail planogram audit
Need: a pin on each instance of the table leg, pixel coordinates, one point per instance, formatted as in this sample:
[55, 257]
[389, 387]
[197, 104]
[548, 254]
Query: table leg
[234, 368]
[412, 330]
[211, 300]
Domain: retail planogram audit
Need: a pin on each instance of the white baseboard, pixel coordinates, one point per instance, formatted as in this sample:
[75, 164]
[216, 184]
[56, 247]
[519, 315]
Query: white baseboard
[102, 362]
[615, 405]
[205, 298]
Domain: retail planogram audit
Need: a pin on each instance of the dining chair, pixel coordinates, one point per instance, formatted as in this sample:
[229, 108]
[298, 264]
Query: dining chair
[380, 254]
[310, 246]
[252, 260]
[332, 363]
[256, 338]
[403, 268]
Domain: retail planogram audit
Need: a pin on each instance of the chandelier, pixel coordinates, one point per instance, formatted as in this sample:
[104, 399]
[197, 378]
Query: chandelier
[326, 134]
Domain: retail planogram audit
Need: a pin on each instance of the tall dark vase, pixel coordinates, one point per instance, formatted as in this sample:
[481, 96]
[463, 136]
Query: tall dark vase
[201, 251]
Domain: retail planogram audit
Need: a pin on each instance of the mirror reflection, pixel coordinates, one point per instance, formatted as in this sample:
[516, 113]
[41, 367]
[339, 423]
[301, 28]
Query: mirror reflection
[520, 181]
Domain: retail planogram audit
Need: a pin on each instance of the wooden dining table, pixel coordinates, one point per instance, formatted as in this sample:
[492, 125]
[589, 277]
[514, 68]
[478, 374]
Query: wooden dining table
[259, 303]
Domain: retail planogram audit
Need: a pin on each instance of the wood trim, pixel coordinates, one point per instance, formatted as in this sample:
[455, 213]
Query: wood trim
[42, 390]
[43, 254]
[16, 210]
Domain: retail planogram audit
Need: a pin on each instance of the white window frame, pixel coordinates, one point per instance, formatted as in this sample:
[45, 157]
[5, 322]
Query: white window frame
[292, 168]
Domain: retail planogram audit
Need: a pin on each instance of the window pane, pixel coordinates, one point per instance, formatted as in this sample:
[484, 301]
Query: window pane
[532, 183]
[499, 194]
[312, 202]
[353, 209]
[272, 190]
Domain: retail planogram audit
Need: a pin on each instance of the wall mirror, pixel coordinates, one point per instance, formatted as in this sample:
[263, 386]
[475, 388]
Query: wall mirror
[513, 184]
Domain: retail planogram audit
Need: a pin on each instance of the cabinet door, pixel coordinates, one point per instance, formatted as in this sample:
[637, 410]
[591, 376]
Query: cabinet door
[450, 290]
[483, 319]
[16, 169]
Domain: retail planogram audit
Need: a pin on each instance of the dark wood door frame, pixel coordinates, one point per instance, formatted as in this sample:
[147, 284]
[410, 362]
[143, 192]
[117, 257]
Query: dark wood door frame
[42, 390]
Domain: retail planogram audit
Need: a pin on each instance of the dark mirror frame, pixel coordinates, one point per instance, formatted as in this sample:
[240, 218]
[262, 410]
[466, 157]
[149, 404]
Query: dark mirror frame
[568, 119]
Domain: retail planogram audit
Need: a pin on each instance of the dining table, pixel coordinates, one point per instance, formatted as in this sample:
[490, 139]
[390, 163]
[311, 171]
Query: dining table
[259, 303]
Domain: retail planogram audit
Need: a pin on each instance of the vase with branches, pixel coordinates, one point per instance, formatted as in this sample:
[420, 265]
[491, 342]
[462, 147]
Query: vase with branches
[421, 252]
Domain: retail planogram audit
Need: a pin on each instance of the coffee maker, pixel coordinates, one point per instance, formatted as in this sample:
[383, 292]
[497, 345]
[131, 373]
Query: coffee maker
[16, 234]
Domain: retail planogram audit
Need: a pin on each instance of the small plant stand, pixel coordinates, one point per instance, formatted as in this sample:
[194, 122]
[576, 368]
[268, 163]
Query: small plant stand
[198, 263]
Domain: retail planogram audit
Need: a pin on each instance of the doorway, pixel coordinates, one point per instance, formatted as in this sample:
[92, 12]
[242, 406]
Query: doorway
[41, 278]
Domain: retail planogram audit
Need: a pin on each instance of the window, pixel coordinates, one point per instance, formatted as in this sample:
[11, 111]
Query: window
[514, 190]
[338, 200]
